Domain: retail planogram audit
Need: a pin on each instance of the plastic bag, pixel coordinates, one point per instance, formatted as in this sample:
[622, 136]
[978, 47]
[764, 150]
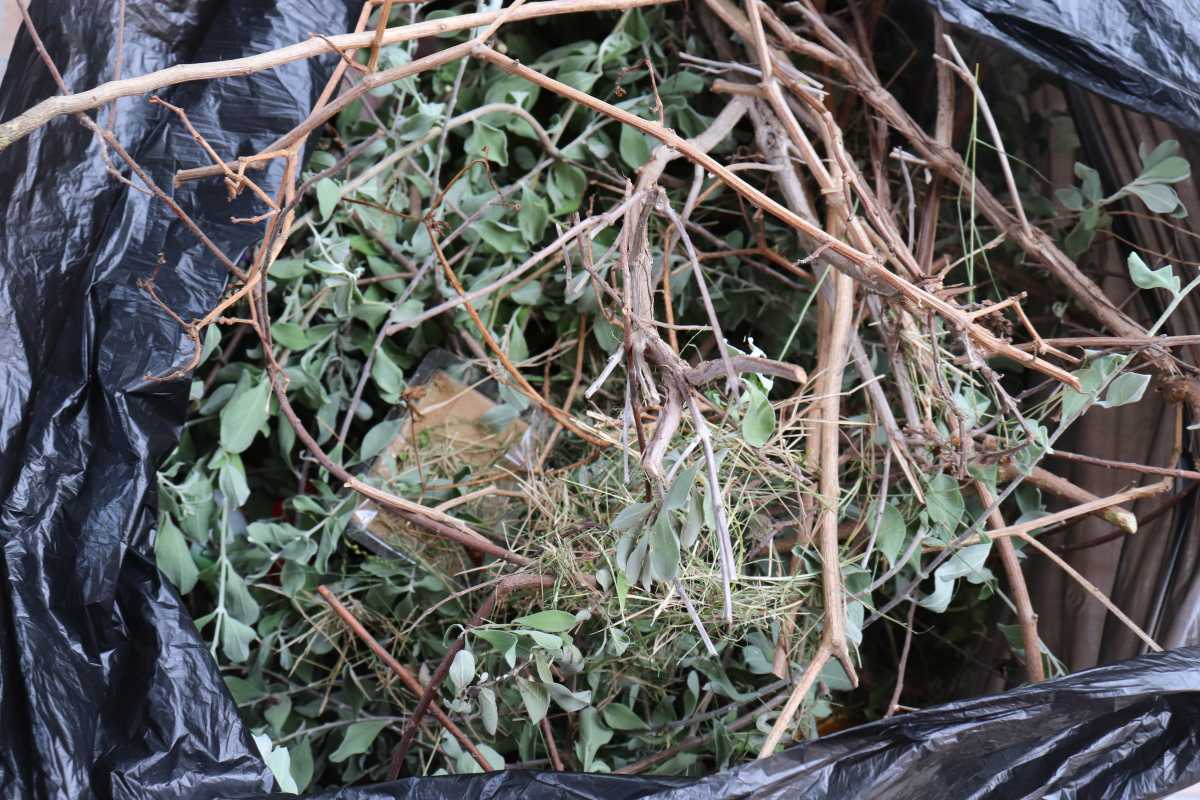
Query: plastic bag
[106, 690]
[1140, 54]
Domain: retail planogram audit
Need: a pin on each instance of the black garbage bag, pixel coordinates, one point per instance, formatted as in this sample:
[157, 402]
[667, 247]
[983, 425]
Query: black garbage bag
[107, 691]
[1139, 53]
[1125, 731]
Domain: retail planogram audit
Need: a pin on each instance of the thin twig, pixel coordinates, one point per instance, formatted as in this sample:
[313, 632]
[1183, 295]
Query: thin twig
[894, 704]
[406, 676]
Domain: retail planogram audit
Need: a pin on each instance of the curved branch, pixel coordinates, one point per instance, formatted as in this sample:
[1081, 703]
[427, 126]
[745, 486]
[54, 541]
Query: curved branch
[23, 124]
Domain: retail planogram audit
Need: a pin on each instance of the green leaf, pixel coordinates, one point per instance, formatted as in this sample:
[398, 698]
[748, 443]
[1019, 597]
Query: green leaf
[548, 621]
[357, 739]
[528, 294]
[1164, 150]
[236, 638]
[566, 699]
[279, 761]
[278, 712]
[759, 422]
[549, 642]
[286, 269]
[328, 195]
[462, 669]
[1127, 388]
[504, 642]
[243, 417]
[681, 488]
[620, 717]
[631, 518]
[1146, 278]
[379, 437]
[238, 601]
[1171, 169]
[694, 522]
[944, 501]
[488, 141]
[302, 764]
[1078, 240]
[1158, 197]
[566, 187]
[173, 557]
[1070, 198]
[892, 533]
[533, 216]
[488, 712]
[592, 736]
[387, 375]
[1091, 182]
[517, 350]
[536, 699]
[290, 335]
[504, 239]
[212, 339]
[635, 146]
[664, 550]
[577, 79]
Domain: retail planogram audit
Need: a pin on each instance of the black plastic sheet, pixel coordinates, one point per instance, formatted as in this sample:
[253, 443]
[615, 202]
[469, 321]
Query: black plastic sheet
[1140, 53]
[106, 690]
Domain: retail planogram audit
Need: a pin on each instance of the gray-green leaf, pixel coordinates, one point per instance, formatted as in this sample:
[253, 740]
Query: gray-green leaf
[328, 195]
[488, 712]
[548, 621]
[620, 717]
[1146, 278]
[536, 699]
[357, 739]
[173, 556]
[1127, 388]
[759, 422]
[243, 416]
[462, 669]
[664, 550]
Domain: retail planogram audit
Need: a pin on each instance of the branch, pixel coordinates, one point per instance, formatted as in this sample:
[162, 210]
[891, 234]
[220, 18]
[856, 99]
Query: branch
[406, 677]
[844, 257]
[23, 124]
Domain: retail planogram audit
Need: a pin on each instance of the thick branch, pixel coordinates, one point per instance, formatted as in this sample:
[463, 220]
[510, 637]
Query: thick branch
[22, 125]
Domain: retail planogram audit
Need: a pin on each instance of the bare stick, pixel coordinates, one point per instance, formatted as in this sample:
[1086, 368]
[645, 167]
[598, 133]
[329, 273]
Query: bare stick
[1026, 616]
[725, 546]
[960, 67]
[1129, 466]
[406, 677]
[833, 349]
[1024, 528]
[843, 256]
[504, 587]
[894, 703]
[24, 124]
[1047, 481]
[784, 720]
[1091, 589]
